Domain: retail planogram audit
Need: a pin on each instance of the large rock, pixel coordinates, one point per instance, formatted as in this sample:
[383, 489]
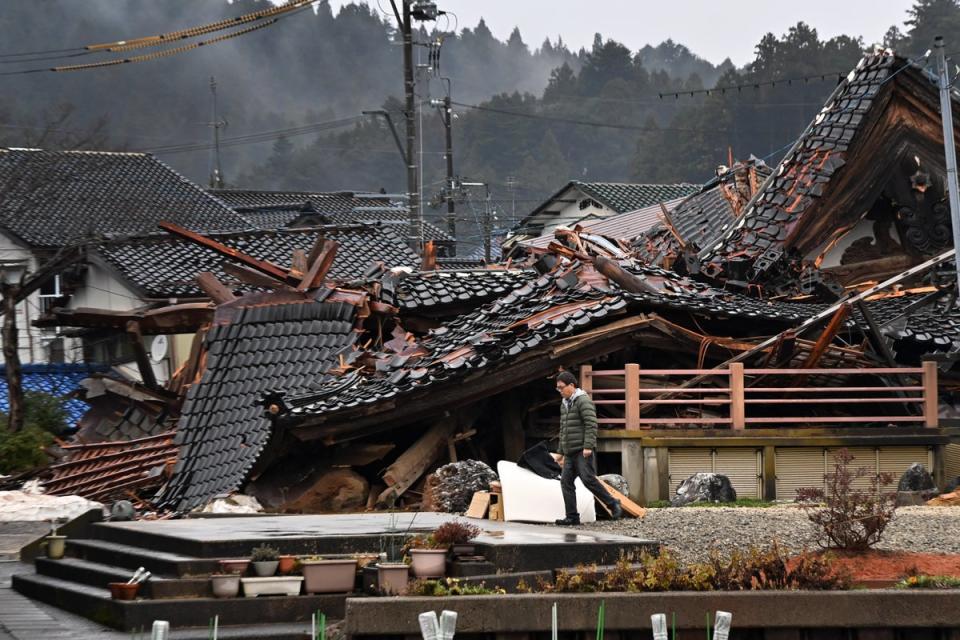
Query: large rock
[916, 478]
[704, 487]
[454, 484]
[617, 481]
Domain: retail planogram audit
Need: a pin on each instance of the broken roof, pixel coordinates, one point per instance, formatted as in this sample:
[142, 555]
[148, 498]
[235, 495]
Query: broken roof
[167, 267]
[431, 290]
[788, 212]
[223, 429]
[53, 198]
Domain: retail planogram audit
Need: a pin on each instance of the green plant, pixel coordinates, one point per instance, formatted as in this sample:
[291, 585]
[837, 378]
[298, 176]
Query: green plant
[451, 587]
[850, 518]
[455, 532]
[45, 411]
[24, 449]
[264, 553]
[929, 582]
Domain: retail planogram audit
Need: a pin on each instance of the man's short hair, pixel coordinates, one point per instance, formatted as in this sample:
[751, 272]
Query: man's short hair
[567, 378]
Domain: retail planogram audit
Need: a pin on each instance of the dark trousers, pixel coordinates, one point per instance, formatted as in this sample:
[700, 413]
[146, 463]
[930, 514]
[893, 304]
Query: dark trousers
[576, 466]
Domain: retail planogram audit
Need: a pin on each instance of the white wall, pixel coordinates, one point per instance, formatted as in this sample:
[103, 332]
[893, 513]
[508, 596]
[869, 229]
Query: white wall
[570, 213]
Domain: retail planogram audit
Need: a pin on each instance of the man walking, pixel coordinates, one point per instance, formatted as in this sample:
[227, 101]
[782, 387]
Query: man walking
[578, 439]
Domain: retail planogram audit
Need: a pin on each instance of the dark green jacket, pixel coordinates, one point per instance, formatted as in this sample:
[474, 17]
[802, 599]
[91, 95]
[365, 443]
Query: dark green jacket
[578, 424]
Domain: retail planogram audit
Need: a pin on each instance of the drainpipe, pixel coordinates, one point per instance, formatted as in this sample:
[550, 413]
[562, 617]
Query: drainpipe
[950, 151]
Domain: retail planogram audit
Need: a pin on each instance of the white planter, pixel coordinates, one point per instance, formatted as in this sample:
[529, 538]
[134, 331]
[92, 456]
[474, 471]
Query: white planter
[272, 586]
[225, 586]
[428, 563]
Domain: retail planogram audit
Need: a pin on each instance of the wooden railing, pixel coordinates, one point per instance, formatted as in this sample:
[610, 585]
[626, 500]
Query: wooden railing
[622, 388]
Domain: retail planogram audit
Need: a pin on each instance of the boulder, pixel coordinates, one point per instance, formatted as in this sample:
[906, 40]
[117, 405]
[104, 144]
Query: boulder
[916, 478]
[617, 481]
[454, 484]
[334, 491]
[704, 487]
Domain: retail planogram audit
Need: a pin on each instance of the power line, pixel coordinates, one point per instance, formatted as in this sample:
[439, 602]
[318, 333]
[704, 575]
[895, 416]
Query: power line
[292, 8]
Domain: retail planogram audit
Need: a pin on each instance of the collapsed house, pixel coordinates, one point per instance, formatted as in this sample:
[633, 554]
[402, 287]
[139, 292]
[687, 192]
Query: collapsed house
[753, 327]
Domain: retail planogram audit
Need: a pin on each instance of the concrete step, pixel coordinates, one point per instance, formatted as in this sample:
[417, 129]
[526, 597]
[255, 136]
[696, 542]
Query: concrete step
[96, 574]
[157, 562]
[95, 603]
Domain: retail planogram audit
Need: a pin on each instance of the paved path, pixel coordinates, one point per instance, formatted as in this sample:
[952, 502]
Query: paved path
[25, 619]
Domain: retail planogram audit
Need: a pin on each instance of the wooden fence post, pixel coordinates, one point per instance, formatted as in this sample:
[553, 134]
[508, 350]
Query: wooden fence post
[737, 409]
[931, 408]
[631, 396]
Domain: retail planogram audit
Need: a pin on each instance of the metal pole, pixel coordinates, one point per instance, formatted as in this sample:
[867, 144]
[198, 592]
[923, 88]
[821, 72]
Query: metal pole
[950, 149]
[487, 229]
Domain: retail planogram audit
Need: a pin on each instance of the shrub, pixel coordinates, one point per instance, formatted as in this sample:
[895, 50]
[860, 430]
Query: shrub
[45, 411]
[754, 570]
[450, 587]
[929, 582]
[454, 532]
[264, 553]
[851, 519]
[24, 449]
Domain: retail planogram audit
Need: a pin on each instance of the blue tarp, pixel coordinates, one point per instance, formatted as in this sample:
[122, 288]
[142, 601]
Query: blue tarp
[56, 380]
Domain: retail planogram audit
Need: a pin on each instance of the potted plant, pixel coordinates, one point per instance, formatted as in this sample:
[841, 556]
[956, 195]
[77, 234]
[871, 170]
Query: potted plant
[393, 574]
[236, 566]
[124, 590]
[225, 585]
[265, 560]
[428, 557]
[288, 564]
[328, 575]
[55, 545]
[457, 535]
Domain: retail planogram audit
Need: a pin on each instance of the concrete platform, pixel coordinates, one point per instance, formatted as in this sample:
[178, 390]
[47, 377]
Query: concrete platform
[509, 545]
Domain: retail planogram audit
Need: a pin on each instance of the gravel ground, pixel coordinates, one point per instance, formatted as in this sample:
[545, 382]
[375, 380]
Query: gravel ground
[691, 533]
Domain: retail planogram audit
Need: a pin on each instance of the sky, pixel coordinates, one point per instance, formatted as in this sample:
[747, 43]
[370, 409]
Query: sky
[713, 29]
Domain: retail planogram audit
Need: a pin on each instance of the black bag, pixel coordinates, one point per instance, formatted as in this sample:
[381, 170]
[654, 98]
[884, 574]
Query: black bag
[538, 459]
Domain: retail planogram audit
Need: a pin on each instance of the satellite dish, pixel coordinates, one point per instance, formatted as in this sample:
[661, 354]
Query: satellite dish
[158, 348]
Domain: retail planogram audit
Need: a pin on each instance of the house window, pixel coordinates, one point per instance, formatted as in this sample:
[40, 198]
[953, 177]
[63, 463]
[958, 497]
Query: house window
[108, 348]
[588, 202]
[50, 292]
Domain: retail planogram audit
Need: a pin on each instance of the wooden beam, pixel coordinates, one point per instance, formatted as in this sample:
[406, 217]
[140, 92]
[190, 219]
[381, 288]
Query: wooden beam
[319, 268]
[250, 276]
[263, 266]
[298, 262]
[140, 353]
[414, 462]
[629, 506]
[429, 261]
[211, 285]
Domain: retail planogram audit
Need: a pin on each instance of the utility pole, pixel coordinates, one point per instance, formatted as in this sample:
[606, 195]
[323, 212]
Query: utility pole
[405, 22]
[216, 170]
[11, 352]
[950, 151]
[448, 152]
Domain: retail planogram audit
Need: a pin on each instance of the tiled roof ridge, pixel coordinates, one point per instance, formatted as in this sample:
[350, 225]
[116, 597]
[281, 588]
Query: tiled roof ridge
[99, 152]
[162, 236]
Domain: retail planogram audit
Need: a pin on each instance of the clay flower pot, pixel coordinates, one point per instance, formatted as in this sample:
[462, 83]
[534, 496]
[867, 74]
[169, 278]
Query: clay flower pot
[124, 590]
[287, 564]
[428, 563]
[55, 546]
[236, 566]
[392, 578]
[329, 576]
[225, 586]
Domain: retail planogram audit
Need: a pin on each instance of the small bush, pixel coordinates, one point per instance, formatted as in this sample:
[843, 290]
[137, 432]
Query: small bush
[450, 587]
[24, 449]
[850, 519]
[454, 532]
[264, 553]
[754, 570]
[45, 411]
[929, 582]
